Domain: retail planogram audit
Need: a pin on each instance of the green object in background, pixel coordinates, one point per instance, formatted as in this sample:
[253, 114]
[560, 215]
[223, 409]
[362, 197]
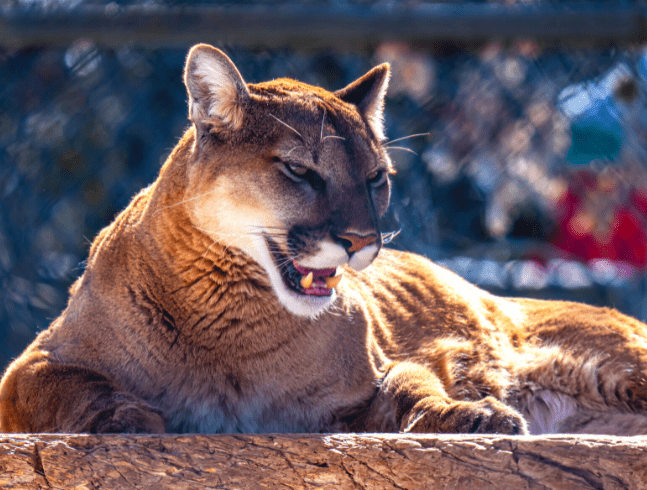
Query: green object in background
[596, 136]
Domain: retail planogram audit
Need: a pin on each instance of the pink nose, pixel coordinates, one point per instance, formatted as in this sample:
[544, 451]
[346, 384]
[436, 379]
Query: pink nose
[358, 242]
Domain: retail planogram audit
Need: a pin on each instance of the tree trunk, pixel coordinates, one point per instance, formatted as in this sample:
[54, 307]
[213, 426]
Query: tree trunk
[340, 461]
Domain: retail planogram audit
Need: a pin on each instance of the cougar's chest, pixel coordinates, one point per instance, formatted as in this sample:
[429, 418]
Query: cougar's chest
[230, 407]
[276, 375]
[277, 391]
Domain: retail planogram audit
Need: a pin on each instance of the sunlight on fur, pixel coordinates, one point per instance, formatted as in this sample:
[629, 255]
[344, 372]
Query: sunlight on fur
[247, 290]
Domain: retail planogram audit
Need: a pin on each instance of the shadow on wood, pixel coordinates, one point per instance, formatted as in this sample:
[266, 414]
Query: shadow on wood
[340, 461]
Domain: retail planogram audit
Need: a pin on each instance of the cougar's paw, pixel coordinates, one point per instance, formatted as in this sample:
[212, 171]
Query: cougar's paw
[129, 417]
[487, 416]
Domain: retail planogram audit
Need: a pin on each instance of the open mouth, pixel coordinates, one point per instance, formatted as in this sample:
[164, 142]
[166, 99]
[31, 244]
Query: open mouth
[305, 280]
[315, 282]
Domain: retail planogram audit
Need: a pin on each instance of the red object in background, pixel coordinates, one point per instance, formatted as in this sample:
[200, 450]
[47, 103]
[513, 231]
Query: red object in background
[590, 226]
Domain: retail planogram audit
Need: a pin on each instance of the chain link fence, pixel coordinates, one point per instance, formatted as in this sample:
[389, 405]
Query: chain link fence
[530, 177]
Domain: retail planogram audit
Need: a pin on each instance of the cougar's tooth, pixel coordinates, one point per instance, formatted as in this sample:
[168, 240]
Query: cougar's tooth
[306, 281]
[332, 282]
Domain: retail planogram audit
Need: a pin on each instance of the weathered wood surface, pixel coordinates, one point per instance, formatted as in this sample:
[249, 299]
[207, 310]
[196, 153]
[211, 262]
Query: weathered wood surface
[356, 462]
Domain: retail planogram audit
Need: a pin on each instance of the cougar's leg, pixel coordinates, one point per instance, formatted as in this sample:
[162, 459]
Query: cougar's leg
[40, 395]
[411, 398]
[597, 385]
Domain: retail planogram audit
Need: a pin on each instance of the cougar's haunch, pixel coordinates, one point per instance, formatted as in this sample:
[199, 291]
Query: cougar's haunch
[246, 290]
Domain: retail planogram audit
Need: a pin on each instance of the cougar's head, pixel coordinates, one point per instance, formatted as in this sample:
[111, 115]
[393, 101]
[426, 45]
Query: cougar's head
[291, 174]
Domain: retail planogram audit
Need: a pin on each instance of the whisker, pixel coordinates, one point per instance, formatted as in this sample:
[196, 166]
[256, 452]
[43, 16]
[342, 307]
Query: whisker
[287, 125]
[323, 120]
[263, 229]
[275, 247]
[241, 235]
[232, 242]
[209, 248]
[218, 233]
[273, 235]
[394, 259]
[334, 136]
[288, 153]
[284, 264]
[389, 236]
[400, 148]
[186, 200]
[405, 138]
[267, 226]
[238, 237]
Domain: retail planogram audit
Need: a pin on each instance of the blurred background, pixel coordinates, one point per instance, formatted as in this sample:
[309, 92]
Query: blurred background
[530, 177]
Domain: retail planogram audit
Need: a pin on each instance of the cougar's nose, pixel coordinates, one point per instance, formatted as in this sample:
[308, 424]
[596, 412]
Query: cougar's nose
[353, 242]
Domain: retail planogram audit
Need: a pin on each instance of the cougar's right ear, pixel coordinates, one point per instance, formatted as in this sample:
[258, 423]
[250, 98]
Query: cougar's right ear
[218, 94]
[368, 93]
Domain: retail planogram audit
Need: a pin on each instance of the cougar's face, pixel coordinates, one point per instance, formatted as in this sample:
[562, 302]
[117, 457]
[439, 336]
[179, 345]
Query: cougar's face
[298, 184]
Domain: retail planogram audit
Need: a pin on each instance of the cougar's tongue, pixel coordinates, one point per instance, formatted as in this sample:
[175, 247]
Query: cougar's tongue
[315, 272]
[318, 282]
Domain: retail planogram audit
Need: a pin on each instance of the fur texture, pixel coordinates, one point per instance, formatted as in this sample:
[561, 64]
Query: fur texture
[213, 302]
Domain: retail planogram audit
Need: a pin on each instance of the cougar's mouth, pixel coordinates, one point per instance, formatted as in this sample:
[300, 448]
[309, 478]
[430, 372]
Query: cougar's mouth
[302, 279]
[316, 282]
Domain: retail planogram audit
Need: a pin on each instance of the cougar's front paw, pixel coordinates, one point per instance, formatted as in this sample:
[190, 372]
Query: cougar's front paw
[487, 416]
[132, 417]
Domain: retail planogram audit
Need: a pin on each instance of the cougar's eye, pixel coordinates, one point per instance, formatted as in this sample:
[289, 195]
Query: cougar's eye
[296, 170]
[377, 177]
[301, 175]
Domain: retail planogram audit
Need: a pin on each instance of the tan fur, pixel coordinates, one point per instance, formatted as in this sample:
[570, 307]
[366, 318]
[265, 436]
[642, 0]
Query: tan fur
[185, 320]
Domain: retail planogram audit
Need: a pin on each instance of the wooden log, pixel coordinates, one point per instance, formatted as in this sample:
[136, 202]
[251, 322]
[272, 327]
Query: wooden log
[340, 461]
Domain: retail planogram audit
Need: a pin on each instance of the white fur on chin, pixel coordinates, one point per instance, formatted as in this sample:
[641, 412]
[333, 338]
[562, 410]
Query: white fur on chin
[297, 304]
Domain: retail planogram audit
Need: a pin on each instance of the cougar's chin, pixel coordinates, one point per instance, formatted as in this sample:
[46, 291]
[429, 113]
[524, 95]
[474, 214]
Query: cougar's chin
[302, 290]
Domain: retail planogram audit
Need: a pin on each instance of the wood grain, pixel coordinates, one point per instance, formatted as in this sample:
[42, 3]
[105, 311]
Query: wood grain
[350, 461]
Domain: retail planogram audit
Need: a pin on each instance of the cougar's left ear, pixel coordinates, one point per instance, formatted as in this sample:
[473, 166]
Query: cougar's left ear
[218, 94]
[367, 93]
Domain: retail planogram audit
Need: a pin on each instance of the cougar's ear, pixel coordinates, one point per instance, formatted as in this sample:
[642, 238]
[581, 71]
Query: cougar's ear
[367, 93]
[218, 94]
